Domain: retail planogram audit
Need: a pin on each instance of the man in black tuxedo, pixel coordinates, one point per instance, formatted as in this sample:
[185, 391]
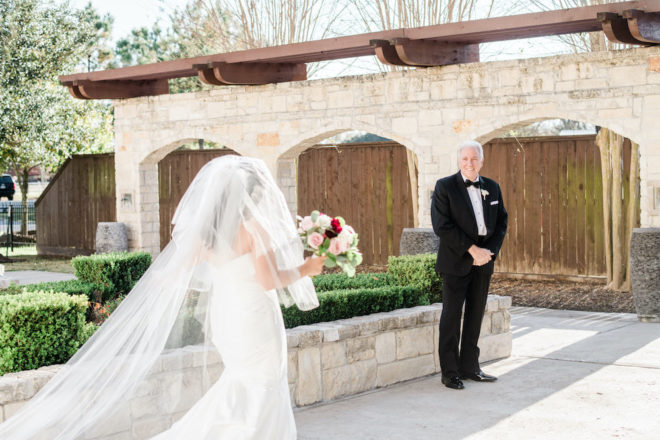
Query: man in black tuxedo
[468, 215]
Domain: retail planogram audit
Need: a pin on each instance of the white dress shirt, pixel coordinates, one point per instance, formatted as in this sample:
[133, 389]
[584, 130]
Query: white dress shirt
[477, 206]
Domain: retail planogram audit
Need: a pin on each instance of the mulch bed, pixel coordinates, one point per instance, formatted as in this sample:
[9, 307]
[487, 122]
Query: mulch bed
[588, 295]
[564, 295]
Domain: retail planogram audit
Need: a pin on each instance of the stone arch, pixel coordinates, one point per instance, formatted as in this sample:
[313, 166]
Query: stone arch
[148, 196]
[579, 226]
[287, 169]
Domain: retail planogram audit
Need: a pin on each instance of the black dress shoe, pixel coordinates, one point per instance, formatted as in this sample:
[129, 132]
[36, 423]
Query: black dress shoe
[453, 382]
[479, 376]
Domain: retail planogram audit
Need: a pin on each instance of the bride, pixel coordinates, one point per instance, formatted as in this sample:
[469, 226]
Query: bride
[197, 350]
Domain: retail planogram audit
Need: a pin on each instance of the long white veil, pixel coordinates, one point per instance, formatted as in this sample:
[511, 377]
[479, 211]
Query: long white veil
[153, 358]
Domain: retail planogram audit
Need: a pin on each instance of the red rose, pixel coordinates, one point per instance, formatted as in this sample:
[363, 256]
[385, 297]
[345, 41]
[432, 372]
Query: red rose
[335, 225]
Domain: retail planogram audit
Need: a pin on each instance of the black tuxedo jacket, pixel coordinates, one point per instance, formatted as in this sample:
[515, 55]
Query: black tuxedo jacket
[454, 222]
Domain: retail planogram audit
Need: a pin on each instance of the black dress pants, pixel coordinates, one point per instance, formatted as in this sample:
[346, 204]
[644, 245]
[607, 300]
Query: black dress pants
[471, 290]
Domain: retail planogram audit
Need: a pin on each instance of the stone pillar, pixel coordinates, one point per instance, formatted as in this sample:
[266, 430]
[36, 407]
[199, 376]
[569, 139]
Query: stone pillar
[111, 237]
[418, 241]
[645, 272]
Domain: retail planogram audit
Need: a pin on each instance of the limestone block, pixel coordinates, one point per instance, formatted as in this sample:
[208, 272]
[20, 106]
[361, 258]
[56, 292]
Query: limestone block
[386, 347]
[493, 303]
[486, 325]
[627, 75]
[436, 347]
[505, 302]
[292, 339]
[414, 342]
[333, 355]
[349, 379]
[309, 336]
[368, 325]
[498, 323]
[309, 388]
[292, 366]
[406, 369]
[429, 314]
[2, 413]
[494, 347]
[147, 428]
[360, 349]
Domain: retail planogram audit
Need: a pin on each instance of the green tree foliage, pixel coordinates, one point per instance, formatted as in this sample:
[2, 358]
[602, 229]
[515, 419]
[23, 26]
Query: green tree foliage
[39, 122]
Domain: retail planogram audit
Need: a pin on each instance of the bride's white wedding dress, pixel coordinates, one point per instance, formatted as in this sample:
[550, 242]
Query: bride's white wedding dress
[214, 290]
[251, 398]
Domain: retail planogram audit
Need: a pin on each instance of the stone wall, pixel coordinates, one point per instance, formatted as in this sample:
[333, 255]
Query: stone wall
[428, 110]
[326, 361]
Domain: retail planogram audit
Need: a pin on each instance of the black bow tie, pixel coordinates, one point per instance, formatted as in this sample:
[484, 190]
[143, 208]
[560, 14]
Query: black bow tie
[469, 183]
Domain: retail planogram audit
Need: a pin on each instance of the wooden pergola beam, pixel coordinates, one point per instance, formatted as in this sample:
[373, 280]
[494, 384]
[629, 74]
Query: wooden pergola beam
[250, 73]
[424, 46]
[644, 26]
[117, 89]
[424, 53]
[616, 28]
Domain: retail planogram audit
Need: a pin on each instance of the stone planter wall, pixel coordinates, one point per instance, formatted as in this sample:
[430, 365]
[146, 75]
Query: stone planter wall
[326, 361]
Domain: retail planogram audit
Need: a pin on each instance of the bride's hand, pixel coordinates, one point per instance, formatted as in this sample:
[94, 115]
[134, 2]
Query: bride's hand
[312, 266]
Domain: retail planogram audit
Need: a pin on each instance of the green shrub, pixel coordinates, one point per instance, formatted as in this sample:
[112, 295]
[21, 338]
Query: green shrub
[117, 272]
[342, 304]
[40, 328]
[341, 281]
[93, 291]
[418, 271]
[13, 289]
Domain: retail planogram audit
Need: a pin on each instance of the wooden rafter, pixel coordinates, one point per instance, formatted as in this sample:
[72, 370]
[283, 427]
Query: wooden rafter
[117, 89]
[644, 26]
[250, 73]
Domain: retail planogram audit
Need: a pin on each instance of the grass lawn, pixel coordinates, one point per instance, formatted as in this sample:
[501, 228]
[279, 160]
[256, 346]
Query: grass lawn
[26, 258]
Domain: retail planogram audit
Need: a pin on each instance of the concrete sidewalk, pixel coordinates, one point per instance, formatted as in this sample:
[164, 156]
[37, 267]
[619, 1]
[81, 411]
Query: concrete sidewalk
[572, 375]
[36, 276]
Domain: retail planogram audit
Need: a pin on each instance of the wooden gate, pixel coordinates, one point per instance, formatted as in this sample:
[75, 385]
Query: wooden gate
[552, 190]
[80, 195]
[175, 173]
[372, 185]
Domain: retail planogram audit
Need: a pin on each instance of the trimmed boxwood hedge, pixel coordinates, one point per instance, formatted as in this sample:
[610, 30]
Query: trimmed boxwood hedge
[93, 291]
[41, 328]
[418, 271]
[341, 281]
[342, 304]
[117, 272]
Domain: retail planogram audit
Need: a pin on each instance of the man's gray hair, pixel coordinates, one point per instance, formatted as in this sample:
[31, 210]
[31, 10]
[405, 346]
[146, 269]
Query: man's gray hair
[471, 144]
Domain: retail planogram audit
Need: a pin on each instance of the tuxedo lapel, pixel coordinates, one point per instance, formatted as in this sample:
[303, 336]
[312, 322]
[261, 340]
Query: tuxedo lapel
[460, 184]
[485, 201]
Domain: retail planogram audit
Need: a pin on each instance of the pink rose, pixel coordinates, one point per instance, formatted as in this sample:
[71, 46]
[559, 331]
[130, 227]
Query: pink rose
[306, 223]
[336, 247]
[315, 240]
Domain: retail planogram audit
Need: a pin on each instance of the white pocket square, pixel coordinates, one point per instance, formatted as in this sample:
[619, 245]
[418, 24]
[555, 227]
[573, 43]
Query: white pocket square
[495, 202]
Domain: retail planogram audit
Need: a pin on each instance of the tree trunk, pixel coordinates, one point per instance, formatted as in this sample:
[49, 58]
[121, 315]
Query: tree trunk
[603, 143]
[633, 209]
[618, 260]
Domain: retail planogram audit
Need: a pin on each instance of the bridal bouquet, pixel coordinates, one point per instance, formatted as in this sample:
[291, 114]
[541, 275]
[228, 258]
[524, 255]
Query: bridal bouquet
[332, 237]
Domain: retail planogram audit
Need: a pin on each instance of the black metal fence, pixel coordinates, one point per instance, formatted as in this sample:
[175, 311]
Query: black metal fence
[11, 217]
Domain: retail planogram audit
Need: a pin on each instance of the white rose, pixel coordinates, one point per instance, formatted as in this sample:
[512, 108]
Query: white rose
[323, 221]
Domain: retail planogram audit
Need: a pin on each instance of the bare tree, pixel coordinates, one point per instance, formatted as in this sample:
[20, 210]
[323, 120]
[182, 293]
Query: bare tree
[211, 26]
[581, 42]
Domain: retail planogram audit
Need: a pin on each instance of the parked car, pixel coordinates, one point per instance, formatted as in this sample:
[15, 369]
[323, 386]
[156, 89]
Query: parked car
[7, 187]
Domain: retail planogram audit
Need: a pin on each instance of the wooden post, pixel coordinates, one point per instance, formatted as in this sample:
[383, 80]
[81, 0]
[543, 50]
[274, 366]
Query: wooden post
[603, 142]
[618, 265]
[633, 209]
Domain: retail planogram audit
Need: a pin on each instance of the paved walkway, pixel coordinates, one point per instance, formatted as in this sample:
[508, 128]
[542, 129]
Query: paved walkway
[572, 375]
[36, 276]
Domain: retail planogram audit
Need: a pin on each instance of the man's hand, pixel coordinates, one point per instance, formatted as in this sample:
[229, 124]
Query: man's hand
[481, 256]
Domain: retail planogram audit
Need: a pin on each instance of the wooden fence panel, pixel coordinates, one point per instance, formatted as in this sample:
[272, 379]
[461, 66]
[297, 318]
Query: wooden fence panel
[80, 195]
[367, 184]
[175, 173]
[552, 189]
